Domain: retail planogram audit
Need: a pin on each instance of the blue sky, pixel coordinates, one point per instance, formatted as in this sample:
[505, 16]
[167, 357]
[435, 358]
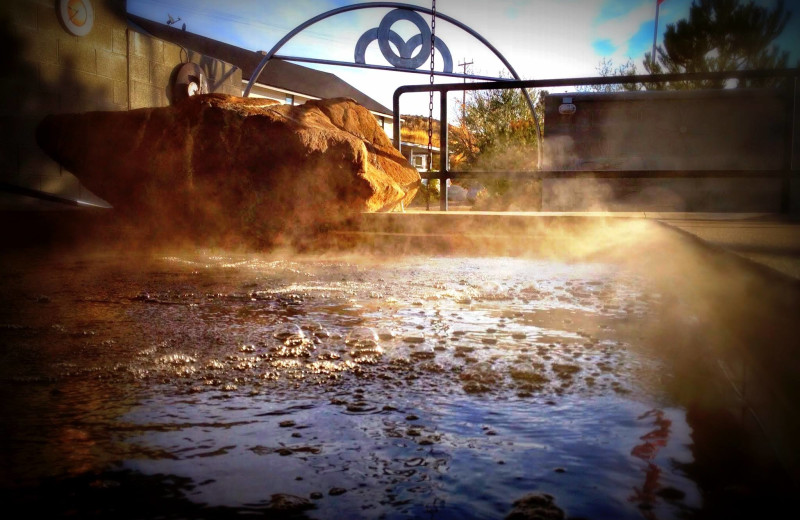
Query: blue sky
[540, 38]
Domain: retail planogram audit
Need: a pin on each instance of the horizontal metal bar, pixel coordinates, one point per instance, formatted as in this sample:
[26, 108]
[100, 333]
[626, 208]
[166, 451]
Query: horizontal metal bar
[602, 80]
[610, 174]
[386, 67]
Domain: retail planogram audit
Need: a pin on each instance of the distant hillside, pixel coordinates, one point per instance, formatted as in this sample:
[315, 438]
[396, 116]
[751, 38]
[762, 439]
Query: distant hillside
[414, 129]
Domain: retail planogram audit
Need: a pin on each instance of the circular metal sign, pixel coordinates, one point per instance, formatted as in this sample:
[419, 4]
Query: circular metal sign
[387, 37]
[404, 60]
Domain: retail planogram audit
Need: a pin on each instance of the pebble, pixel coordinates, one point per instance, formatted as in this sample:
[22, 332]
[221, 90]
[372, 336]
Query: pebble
[288, 504]
[536, 506]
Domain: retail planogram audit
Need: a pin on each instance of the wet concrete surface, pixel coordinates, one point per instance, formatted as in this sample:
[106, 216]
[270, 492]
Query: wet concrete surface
[602, 365]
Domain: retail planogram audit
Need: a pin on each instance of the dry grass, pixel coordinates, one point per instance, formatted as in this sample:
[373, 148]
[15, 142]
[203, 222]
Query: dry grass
[414, 129]
[418, 137]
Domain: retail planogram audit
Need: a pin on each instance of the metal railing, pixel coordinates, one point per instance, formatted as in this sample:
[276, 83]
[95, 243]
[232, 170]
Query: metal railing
[785, 173]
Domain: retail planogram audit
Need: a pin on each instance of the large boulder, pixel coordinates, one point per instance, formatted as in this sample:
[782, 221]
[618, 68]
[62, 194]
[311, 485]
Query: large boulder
[216, 166]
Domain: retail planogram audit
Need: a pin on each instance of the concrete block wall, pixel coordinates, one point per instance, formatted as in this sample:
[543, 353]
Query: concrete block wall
[46, 70]
[661, 130]
[154, 63]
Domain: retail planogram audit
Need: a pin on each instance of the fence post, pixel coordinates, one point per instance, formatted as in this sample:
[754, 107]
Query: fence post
[443, 152]
[396, 119]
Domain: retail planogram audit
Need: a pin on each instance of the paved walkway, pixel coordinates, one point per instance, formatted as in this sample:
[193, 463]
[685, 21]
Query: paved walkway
[767, 239]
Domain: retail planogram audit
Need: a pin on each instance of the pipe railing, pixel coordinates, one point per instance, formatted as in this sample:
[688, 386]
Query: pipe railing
[444, 174]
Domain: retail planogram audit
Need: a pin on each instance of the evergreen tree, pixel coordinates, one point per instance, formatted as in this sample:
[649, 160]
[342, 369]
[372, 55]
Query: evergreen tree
[721, 35]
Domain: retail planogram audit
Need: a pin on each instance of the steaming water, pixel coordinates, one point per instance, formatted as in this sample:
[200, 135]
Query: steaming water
[203, 385]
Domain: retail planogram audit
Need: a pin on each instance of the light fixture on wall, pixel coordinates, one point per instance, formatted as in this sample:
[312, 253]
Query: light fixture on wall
[567, 107]
[77, 16]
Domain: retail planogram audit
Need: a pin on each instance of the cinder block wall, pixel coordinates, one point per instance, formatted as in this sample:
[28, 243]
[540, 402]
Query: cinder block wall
[45, 70]
[48, 70]
[154, 63]
[732, 129]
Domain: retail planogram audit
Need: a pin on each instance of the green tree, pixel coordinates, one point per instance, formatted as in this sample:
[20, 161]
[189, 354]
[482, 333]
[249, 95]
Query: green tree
[721, 35]
[606, 68]
[496, 132]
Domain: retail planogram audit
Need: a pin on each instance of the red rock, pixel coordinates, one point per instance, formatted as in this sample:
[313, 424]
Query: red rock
[215, 166]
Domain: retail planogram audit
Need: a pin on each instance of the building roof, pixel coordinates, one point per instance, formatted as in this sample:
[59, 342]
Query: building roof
[278, 73]
[417, 147]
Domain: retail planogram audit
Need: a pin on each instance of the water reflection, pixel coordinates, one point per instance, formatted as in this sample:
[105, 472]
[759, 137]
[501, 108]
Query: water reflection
[449, 387]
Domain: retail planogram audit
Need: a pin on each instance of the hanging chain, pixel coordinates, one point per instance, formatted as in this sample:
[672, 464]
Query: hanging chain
[430, 99]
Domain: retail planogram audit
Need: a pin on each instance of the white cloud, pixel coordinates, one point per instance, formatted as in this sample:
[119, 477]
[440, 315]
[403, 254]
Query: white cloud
[540, 39]
[620, 29]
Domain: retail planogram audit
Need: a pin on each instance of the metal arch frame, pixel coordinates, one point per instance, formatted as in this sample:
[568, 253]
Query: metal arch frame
[392, 5]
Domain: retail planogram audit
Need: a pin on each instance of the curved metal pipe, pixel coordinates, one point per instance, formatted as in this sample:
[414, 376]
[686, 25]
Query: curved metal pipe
[395, 5]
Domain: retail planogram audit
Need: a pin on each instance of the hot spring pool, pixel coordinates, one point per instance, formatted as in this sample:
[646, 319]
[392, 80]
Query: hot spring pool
[211, 384]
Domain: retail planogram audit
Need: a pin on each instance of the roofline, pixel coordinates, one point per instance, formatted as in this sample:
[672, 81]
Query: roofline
[257, 84]
[279, 89]
[409, 144]
[232, 54]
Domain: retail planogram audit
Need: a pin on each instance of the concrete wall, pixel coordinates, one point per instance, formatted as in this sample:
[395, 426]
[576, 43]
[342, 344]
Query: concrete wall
[653, 130]
[48, 70]
[45, 69]
[737, 129]
[154, 63]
